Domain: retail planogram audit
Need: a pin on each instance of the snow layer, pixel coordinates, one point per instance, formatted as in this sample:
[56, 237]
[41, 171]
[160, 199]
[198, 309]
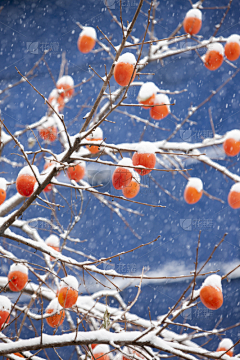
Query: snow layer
[225, 343]
[53, 240]
[214, 281]
[89, 31]
[65, 80]
[233, 134]
[3, 184]
[196, 183]
[127, 162]
[26, 170]
[147, 90]
[47, 122]
[196, 13]
[102, 348]
[19, 267]
[70, 282]
[216, 47]
[127, 58]
[54, 305]
[5, 303]
[162, 99]
[54, 93]
[96, 134]
[236, 187]
[146, 147]
[234, 38]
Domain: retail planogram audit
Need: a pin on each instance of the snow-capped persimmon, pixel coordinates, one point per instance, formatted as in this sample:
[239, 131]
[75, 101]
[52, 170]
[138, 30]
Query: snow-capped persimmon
[3, 189]
[96, 135]
[231, 145]
[68, 292]
[100, 352]
[47, 130]
[193, 22]
[122, 176]
[144, 157]
[77, 171]
[193, 190]
[133, 188]
[5, 308]
[234, 196]
[162, 108]
[87, 40]
[124, 69]
[213, 58]
[26, 181]
[58, 313]
[54, 242]
[224, 345]
[211, 292]
[17, 277]
[146, 95]
[66, 84]
[56, 99]
[232, 47]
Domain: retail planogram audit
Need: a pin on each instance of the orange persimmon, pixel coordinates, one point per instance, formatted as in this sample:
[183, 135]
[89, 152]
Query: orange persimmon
[193, 190]
[211, 292]
[161, 110]
[68, 292]
[87, 40]
[124, 69]
[193, 21]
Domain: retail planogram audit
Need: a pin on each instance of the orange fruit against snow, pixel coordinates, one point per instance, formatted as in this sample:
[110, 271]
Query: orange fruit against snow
[68, 292]
[53, 242]
[56, 98]
[193, 21]
[59, 314]
[232, 48]
[162, 110]
[76, 172]
[124, 69]
[144, 159]
[17, 277]
[193, 190]
[66, 83]
[96, 135]
[231, 145]
[5, 308]
[213, 59]
[3, 188]
[234, 196]
[147, 94]
[131, 190]
[26, 181]
[87, 40]
[226, 344]
[121, 178]
[100, 352]
[48, 134]
[211, 292]
[17, 354]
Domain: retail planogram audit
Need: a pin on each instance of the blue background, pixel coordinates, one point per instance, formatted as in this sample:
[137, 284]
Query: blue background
[45, 23]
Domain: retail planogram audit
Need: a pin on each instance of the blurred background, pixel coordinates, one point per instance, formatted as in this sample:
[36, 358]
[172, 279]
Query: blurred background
[30, 27]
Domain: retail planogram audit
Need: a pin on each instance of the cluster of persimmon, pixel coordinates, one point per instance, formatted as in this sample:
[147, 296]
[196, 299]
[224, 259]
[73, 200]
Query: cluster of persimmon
[148, 96]
[66, 298]
[62, 94]
[214, 56]
[125, 178]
